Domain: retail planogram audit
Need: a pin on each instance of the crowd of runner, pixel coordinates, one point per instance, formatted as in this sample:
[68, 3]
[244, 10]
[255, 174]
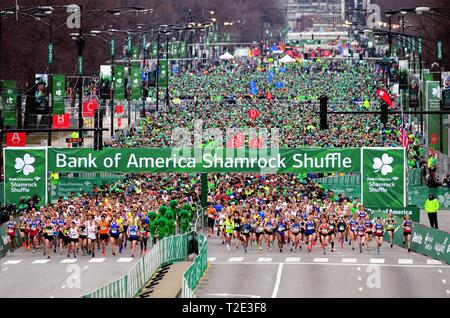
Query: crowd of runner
[115, 215]
[244, 210]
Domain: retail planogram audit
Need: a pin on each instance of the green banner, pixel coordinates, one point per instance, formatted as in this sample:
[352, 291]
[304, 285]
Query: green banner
[80, 65]
[25, 174]
[58, 94]
[113, 47]
[150, 160]
[50, 53]
[183, 50]
[383, 177]
[135, 53]
[119, 82]
[9, 98]
[424, 240]
[154, 50]
[163, 73]
[432, 96]
[64, 187]
[215, 37]
[135, 82]
[175, 48]
[412, 210]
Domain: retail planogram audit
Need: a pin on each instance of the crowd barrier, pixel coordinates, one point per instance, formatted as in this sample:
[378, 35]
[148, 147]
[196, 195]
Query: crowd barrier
[424, 240]
[193, 275]
[168, 250]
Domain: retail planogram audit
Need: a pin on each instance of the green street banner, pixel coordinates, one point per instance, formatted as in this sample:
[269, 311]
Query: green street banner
[9, 98]
[135, 53]
[154, 50]
[25, 174]
[383, 178]
[58, 94]
[183, 50]
[163, 73]
[153, 160]
[432, 97]
[119, 82]
[135, 82]
[175, 48]
[424, 240]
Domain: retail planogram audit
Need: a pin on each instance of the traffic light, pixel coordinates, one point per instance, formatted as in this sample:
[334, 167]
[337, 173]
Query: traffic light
[384, 113]
[324, 112]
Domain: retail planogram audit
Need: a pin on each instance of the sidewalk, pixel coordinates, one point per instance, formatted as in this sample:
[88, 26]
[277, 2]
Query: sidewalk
[443, 219]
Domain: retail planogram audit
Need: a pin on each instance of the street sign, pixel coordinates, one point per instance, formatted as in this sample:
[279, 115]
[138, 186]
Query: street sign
[80, 65]
[16, 139]
[50, 53]
[439, 52]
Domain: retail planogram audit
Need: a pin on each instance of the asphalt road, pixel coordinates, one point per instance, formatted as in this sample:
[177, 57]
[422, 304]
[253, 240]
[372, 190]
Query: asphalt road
[343, 273]
[24, 274]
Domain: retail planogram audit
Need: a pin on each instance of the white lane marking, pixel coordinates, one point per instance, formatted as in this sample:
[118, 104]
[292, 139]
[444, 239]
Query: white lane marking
[440, 271]
[349, 260]
[360, 289]
[320, 260]
[12, 262]
[235, 259]
[41, 261]
[63, 286]
[333, 264]
[52, 296]
[377, 260]
[359, 278]
[264, 259]
[68, 261]
[433, 262]
[277, 281]
[405, 261]
[211, 259]
[97, 260]
[86, 267]
[293, 259]
[359, 268]
[124, 260]
[444, 281]
[447, 291]
[234, 295]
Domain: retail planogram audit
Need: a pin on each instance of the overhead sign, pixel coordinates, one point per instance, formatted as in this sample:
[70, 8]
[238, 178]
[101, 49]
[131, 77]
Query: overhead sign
[61, 121]
[16, 139]
[89, 108]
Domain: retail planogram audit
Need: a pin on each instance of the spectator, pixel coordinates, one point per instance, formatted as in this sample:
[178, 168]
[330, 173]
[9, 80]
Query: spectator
[432, 207]
[446, 181]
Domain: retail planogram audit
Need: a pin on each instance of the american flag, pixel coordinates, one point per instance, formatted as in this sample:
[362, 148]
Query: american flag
[404, 136]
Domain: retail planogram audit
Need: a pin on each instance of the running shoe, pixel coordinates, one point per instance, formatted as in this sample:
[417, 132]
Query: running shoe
[291, 248]
[260, 249]
[93, 254]
[409, 250]
[27, 247]
[48, 257]
[132, 255]
[103, 254]
[392, 245]
[281, 250]
[120, 248]
[245, 249]
[114, 254]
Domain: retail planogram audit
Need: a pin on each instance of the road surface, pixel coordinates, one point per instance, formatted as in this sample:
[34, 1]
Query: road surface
[23, 274]
[344, 273]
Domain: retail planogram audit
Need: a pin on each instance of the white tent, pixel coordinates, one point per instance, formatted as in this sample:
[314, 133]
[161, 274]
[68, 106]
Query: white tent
[287, 59]
[226, 56]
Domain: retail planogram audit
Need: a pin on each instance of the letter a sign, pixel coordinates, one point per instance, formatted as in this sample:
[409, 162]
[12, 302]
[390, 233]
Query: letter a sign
[16, 139]
[89, 108]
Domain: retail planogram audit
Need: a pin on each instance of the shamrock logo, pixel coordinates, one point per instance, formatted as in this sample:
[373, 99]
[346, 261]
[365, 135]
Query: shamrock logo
[119, 81]
[436, 92]
[25, 164]
[444, 199]
[58, 92]
[383, 164]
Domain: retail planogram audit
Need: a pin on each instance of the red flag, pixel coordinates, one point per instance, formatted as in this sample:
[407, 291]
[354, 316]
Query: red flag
[61, 121]
[384, 96]
[16, 139]
[253, 114]
[89, 108]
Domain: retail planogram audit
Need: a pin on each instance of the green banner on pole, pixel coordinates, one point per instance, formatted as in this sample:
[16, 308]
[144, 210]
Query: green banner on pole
[58, 94]
[25, 174]
[383, 178]
[163, 73]
[432, 102]
[119, 82]
[439, 51]
[9, 98]
[154, 50]
[50, 53]
[183, 50]
[135, 53]
[80, 65]
[175, 48]
[113, 47]
[135, 82]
